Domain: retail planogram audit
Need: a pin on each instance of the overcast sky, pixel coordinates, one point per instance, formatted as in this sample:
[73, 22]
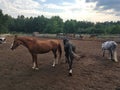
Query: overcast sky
[80, 10]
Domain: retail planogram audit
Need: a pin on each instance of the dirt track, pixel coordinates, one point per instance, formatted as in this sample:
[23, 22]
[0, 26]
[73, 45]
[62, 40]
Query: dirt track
[93, 72]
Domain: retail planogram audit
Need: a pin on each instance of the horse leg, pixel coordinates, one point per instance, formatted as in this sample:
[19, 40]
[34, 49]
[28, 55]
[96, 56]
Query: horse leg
[70, 65]
[35, 65]
[115, 56]
[66, 58]
[55, 56]
[111, 54]
[103, 53]
[33, 61]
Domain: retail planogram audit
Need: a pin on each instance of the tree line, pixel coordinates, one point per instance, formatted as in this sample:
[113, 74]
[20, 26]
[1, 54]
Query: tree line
[53, 25]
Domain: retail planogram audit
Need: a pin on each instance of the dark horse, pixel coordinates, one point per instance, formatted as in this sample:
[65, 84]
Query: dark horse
[69, 49]
[37, 46]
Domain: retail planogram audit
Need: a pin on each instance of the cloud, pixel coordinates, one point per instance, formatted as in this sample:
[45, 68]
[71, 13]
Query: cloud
[87, 10]
[43, 0]
[19, 7]
[109, 4]
[104, 5]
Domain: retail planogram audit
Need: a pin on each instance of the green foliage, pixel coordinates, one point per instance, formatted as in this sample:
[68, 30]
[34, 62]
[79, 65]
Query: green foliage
[54, 24]
[70, 26]
[3, 29]
[115, 29]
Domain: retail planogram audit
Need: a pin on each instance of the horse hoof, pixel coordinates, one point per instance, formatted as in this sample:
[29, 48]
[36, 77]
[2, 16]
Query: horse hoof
[36, 68]
[53, 65]
[33, 67]
[116, 61]
[70, 74]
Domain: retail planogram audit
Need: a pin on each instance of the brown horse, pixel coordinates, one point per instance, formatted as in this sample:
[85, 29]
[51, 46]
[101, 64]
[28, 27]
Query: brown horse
[37, 46]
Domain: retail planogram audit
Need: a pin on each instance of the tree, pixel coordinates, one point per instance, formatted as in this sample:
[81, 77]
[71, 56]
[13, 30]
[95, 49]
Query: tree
[115, 29]
[70, 26]
[54, 25]
[57, 24]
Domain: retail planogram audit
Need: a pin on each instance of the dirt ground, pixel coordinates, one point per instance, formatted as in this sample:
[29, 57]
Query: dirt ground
[92, 72]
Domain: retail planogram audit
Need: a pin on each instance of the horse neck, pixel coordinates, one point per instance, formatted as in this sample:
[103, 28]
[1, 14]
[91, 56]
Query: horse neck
[66, 42]
[25, 41]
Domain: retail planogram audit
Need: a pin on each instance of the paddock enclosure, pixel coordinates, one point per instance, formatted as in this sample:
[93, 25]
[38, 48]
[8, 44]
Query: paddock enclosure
[91, 72]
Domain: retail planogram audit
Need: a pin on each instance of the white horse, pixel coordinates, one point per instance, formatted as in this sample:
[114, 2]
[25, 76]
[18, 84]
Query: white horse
[111, 47]
[2, 40]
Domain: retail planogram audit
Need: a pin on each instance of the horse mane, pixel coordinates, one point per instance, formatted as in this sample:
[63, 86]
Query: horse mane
[28, 38]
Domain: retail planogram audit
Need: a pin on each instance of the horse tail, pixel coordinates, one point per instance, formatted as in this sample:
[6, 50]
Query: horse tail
[75, 55]
[60, 51]
[115, 56]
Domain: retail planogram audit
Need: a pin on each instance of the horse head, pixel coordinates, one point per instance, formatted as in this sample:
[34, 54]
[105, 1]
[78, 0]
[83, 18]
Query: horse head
[65, 40]
[15, 43]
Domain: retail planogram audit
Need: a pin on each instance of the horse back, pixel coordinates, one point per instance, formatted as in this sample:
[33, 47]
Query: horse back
[54, 42]
[45, 45]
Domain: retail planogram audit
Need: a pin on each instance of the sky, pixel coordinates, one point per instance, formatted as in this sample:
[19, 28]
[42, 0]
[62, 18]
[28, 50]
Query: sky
[80, 10]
